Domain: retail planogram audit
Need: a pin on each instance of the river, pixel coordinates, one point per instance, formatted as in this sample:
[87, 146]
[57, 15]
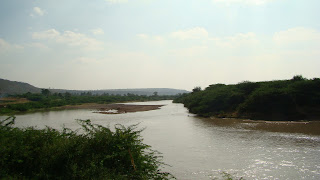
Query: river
[204, 148]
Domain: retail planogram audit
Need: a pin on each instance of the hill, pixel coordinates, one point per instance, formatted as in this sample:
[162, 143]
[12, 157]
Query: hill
[14, 87]
[8, 87]
[142, 91]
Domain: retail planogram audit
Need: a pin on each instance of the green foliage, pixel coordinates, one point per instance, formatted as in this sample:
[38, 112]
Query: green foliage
[98, 153]
[295, 99]
[196, 89]
[298, 78]
[48, 100]
[45, 92]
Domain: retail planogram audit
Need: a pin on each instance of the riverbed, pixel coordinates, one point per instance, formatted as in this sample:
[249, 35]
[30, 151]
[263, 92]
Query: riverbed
[205, 148]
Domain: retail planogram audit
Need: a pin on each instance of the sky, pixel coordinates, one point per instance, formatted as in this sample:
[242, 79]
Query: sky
[113, 44]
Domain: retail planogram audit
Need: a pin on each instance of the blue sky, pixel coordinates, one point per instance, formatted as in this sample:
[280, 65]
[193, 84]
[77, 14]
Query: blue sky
[107, 44]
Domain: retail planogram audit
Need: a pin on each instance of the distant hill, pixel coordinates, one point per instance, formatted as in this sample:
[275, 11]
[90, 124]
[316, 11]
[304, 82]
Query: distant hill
[143, 91]
[13, 87]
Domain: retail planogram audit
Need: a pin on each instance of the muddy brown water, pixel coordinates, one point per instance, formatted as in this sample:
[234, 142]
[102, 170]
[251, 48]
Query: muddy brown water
[204, 148]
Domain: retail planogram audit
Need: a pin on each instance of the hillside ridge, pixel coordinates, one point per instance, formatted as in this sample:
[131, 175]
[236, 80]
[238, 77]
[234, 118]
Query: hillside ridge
[8, 87]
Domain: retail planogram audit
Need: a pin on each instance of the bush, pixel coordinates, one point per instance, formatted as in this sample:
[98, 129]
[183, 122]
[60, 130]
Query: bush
[98, 153]
[295, 99]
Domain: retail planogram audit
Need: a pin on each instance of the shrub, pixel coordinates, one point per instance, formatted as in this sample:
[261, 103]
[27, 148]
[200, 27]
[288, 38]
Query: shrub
[294, 99]
[97, 153]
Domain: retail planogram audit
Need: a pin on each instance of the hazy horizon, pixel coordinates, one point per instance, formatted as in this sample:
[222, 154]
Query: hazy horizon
[121, 44]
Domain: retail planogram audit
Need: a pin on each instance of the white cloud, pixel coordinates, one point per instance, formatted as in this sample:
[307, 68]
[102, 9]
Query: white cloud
[237, 40]
[37, 11]
[7, 47]
[4, 45]
[158, 39]
[49, 34]
[87, 60]
[69, 38]
[249, 2]
[197, 42]
[297, 35]
[143, 36]
[116, 1]
[194, 33]
[114, 70]
[97, 31]
[225, 59]
[201, 37]
[194, 51]
[37, 46]
[151, 39]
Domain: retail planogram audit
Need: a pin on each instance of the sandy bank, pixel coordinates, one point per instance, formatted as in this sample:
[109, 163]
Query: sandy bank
[114, 108]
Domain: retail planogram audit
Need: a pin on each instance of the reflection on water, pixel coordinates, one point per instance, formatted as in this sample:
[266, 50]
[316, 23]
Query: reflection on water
[200, 148]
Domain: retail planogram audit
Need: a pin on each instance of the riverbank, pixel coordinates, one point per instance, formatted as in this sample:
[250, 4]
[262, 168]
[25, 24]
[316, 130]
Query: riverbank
[305, 115]
[280, 100]
[98, 108]
[27, 103]
[204, 147]
[113, 108]
[301, 127]
[12, 100]
[99, 152]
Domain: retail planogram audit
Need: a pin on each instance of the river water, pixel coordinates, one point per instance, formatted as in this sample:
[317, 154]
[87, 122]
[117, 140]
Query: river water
[204, 148]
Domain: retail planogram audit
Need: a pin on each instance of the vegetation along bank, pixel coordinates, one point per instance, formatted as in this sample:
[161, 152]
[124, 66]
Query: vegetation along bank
[98, 153]
[46, 100]
[294, 99]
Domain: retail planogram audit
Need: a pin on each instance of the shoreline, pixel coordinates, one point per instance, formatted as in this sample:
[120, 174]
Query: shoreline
[98, 108]
[124, 108]
[121, 108]
[302, 127]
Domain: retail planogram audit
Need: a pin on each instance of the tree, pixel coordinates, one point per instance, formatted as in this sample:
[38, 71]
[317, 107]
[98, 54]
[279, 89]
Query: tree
[45, 92]
[298, 78]
[155, 93]
[67, 95]
[196, 89]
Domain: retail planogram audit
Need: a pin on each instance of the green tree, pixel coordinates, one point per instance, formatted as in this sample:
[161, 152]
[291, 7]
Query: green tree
[155, 94]
[45, 92]
[67, 95]
[294, 99]
[298, 78]
[196, 89]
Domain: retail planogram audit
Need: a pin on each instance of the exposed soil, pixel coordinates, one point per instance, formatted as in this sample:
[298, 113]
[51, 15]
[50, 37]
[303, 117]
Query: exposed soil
[114, 108]
[303, 127]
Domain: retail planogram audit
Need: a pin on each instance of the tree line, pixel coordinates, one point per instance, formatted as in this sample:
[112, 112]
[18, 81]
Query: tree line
[47, 99]
[294, 99]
